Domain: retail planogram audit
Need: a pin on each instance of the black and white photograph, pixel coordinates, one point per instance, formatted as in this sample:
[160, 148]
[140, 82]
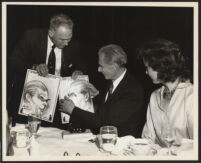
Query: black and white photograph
[85, 81]
[39, 97]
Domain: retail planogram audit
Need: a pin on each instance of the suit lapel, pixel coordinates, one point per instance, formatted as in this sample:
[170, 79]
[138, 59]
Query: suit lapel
[67, 62]
[119, 88]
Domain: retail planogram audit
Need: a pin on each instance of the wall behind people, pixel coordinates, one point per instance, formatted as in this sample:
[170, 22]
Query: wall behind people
[96, 26]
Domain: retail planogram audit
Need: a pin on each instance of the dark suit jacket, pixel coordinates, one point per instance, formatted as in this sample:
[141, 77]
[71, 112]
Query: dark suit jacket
[123, 109]
[30, 50]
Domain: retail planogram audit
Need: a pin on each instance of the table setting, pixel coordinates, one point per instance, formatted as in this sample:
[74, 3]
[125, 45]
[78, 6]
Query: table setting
[31, 141]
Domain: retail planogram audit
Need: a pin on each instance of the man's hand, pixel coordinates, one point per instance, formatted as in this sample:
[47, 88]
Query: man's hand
[76, 73]
[42, 69]
[66, 105]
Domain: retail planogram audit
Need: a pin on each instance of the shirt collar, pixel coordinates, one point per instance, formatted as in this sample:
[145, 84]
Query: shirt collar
[181, 85]
[50, 43]
[118, 80]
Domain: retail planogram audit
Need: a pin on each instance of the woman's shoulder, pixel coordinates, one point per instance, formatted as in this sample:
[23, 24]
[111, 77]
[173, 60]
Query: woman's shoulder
[157, 91]
[156, 94]
[186, 86]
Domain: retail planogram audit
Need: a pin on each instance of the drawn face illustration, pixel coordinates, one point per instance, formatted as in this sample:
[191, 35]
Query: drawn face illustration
[77, 97]
[39, 101]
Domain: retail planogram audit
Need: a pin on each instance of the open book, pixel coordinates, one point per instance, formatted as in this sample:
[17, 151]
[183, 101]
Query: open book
[40, 95]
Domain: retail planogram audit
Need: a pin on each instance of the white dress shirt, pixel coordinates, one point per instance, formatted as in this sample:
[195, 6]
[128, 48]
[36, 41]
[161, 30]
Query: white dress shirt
[116, 82]
[57, 52]
[178, 116]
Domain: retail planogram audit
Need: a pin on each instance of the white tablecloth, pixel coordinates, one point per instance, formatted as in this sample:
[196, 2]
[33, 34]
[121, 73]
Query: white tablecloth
[50, 146]
[50, 143]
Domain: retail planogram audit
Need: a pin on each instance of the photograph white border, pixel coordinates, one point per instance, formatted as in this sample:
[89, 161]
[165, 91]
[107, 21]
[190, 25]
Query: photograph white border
[194, 5]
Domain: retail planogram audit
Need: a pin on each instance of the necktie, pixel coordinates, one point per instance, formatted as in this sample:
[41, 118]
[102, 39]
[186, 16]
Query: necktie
[110, 91]
[51, 61]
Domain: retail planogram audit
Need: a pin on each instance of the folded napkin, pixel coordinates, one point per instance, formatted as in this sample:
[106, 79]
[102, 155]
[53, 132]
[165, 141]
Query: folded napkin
[18, 127]
[185, 149]
[81, 137]
[128, 145]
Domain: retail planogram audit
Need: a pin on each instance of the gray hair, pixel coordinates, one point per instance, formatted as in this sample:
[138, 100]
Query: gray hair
[31, 88]
[60, 19]
[113, 54]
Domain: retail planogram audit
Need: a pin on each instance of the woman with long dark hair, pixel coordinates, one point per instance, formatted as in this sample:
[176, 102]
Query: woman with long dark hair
[170, 108]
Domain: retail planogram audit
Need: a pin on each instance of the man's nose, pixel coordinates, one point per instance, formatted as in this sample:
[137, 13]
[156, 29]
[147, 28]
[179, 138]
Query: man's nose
[66, 42]
[99, 69]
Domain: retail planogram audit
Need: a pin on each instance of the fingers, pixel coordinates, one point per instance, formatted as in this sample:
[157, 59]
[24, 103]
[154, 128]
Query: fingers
[42, 69]
[76, 73]
[68, 99]
[61, 105]
[61, 101]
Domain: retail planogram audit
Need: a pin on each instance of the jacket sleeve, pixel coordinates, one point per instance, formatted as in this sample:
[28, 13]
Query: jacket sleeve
[20, 59]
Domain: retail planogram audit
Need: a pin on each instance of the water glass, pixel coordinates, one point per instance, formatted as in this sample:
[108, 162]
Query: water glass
[168, 138]
[108, 138]
[20, 138]
[33, 125]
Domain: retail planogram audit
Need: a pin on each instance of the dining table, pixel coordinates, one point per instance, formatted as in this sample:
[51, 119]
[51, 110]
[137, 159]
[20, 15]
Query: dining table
[57, 144]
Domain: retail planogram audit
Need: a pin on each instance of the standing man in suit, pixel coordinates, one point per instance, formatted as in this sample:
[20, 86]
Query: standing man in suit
[123, 102]
[35, 51]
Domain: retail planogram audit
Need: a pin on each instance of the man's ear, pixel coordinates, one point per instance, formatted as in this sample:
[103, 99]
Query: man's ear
[115, 65]
[51, 33]
[86, 96]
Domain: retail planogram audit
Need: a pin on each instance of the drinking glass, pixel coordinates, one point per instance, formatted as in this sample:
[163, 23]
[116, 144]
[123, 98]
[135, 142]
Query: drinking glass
[108, 138]
[33, 125]
[168, 138]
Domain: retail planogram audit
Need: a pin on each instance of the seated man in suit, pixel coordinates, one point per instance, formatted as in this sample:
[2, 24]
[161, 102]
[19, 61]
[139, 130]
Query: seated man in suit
[123, 102]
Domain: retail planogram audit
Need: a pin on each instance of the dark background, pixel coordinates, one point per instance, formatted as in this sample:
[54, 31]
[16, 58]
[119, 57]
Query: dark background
[96, 26]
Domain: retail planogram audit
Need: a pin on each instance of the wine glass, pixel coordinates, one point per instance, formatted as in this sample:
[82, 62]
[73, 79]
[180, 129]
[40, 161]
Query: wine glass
[108, 138]
[33, 125]
[167, 138]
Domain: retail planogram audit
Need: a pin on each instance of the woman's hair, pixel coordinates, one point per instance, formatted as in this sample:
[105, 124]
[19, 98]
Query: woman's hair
[113, 54]
[32, 87]
[166, 58]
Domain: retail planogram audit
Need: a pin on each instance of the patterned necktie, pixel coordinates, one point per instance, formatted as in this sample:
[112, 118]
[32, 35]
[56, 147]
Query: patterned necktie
[51, 61]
